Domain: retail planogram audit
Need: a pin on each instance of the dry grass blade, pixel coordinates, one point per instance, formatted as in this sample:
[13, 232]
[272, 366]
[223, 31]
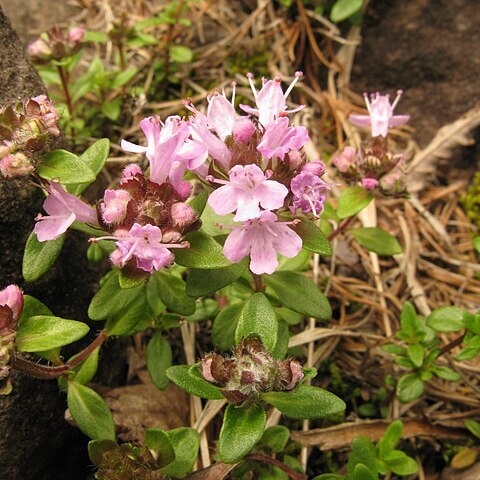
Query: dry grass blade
[341, 436]
[447, 138]
[218, 471]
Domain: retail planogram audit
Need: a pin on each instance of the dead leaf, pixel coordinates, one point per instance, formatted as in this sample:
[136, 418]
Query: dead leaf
[138, 407]
[464, 458]
[217, 471]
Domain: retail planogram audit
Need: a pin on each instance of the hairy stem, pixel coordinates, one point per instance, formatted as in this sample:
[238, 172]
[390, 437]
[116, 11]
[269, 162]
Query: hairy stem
[68, 99]
[83, 354]
[257, 280]
[36, 369]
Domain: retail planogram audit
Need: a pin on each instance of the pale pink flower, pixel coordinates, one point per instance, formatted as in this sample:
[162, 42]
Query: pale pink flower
[11, 297]
[114, 205]
[247, 190]
[380, 114]
[317, 167]
[262, 238]
[76, 34]
[163, 144]
[130, 172]
[144, 243]
[243, 130]
[63, 209]
[221, 116]
[16, 165]
[309, 193]
[279, 138]
[39, 49]
[270, 100]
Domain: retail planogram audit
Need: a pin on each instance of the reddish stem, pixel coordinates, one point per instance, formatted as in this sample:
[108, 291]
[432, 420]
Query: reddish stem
[37, 370]
[256, 457]
[257, 280]
[82, 355]
[341, 227]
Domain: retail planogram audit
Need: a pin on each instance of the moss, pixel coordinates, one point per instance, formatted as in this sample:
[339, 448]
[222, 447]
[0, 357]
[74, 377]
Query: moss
[471, 202]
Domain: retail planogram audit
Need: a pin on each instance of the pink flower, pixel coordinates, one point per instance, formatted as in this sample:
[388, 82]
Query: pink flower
[247, 190]
[262, 238]
[280, 138]
[114, 205]
[309, 193]
[130, 172]
[63, 209]
[380, 116]
[221, 116]
[16, 165]
[163, 145]
[76, 34]
[316, 167]
[144, 243]
[243, 130]
[271, 101]
[11, 297]
[39, 49]
[345, 159]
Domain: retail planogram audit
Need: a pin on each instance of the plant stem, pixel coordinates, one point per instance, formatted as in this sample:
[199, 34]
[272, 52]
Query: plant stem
[36, 369]
[68, 99]
[255, 457]
[343, 225]
[257, 280]
[454, 343]
[82, 355]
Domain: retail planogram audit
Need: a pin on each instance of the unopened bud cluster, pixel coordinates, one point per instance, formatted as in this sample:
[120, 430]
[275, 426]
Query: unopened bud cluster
[373, 166]
[11, 306]
[25, 129]
[56, 44]
[251, 370]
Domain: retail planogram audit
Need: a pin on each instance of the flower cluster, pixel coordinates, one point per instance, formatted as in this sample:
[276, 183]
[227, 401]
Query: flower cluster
[25, 129]
[11, 306]
[251, 370]
[56, 44]
[373, 166]
[254, 163]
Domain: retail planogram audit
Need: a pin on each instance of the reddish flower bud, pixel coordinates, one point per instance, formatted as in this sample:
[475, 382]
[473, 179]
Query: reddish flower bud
[183, 215]
[16, 165]
[12, 297]
[317, 168]
[76, 34]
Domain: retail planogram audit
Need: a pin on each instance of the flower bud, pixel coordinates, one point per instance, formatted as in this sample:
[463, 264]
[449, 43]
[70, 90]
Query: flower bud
[369, 183]
[76, 34]
[12, 297]
[183, 215]
[317, 168]
[16, 165]
[39, 50]
[295, 159]
[242, 130]
[129, 172]
[114, 206]
[345, 159]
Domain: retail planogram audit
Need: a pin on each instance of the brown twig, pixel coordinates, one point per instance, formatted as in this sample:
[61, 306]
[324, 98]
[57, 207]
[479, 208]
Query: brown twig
[256, 457]
[341, 227]
[454, 343]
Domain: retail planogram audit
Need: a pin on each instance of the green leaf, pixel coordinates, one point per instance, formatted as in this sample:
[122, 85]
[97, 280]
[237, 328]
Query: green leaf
[211, 221]
[394, 349]
[408, 320]
[329, 476]
[446, 373]
[283, 336]
[207, 308]
[202, 282]
[112, 300]
[416, 353]
[446, 319]
[473, 426]
[300, 294]
[185, 442]
[39, 257]
[171, 290]
[84, 372]
[362, 472]
[90, 412]
[112, 108]
[94, 157]
[400, 463]
[123, 77]
[32, 307]
[98, 448]
[198, 202]
[204, 252]
[65, 166]
[305, 402]
[391, 437]
[225, 325]
[476, 244]
[258, 318]
[299, 263]
[313, 238]
[159, 359]
[275, 438]
[377, 240]
[192, 382]
[241, 430]
[43, 332]
[136, 278]
[95, 37]
[410, 387]
[159, 443]
[353, 200]
[363, 453]
[180, 54]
